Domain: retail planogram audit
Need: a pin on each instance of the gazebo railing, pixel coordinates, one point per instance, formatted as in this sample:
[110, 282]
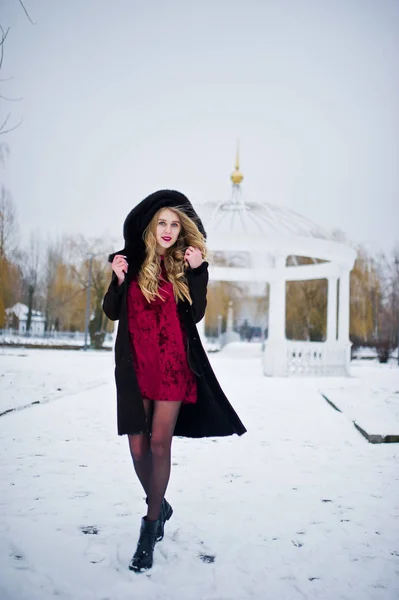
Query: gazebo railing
[316, 358]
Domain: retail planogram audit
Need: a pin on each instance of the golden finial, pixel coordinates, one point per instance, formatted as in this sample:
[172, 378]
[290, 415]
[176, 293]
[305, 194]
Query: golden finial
[237, 176]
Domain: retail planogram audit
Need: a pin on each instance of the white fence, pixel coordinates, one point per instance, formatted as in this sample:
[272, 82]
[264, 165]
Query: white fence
[50, 338]
[316, 358]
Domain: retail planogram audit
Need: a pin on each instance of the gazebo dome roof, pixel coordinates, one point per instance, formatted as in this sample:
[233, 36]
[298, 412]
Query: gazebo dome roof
[244, 218]
[237, 226]
[268, 231]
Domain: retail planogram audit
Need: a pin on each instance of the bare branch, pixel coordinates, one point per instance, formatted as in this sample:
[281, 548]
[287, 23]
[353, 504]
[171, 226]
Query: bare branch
[3, 39]
[8, 224]
[69, 298]
[3, 131]
[10, 99]
[5, 122]
[26, 12]
[4, 35]
[3, 153]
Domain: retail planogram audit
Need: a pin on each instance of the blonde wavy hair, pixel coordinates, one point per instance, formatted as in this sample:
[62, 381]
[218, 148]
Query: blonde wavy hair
[149, 275]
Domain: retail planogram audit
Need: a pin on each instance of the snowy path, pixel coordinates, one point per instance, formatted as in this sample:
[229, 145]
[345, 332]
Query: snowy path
[373, 407]
[301, 507]
[28, 376]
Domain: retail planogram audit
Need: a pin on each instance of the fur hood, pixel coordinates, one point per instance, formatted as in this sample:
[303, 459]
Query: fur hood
[140, 216]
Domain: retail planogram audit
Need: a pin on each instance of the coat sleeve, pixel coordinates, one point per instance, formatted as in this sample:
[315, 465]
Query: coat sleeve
[113, 299]
[197, 282]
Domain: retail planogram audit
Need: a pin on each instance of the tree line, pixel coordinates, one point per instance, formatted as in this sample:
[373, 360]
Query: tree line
[51, 275]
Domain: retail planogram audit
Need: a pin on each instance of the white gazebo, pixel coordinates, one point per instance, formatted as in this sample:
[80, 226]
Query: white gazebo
[267, 235]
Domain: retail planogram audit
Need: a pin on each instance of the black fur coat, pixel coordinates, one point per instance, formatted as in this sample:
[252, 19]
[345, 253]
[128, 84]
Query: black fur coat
[212, 414]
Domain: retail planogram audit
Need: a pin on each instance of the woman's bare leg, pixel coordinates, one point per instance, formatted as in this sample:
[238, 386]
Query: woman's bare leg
[163, 425]
[140, 450]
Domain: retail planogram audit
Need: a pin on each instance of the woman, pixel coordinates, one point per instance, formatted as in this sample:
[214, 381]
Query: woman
[165, 384]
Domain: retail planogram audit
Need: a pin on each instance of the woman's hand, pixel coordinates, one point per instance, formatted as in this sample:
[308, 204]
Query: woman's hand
[193, 256]
[119, 266]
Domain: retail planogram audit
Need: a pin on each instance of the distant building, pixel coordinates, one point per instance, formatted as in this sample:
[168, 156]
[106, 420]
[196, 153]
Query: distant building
[17, 317]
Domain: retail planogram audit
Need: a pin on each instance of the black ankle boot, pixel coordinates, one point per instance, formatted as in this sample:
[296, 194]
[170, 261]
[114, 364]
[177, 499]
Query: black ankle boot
[165, 514]
[143, 557]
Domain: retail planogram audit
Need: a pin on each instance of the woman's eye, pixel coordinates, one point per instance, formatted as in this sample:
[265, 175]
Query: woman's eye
[175, 224]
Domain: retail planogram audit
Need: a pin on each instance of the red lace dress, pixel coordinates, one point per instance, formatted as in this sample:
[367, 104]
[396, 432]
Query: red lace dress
[158, 345]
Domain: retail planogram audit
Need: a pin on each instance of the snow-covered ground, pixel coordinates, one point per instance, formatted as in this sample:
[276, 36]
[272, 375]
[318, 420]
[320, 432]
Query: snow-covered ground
[301, 507]
[28, 376]
[371, 401]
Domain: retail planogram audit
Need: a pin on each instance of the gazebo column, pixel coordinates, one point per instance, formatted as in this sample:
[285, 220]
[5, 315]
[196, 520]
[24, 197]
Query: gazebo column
[276, 329]
[344, 298]
[114, 334]
[344, 312]
[332, 310]
[275, 353]
[201, 329]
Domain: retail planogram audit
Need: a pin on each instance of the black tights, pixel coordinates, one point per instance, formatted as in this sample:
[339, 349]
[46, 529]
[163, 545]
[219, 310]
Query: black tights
[151, 454]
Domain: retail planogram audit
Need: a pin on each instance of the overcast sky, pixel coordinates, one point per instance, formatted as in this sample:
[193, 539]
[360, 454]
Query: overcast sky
[125, 97]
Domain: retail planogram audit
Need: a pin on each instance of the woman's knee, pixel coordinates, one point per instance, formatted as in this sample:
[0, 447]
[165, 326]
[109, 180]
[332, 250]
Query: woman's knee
[160, 445]
[139, 447]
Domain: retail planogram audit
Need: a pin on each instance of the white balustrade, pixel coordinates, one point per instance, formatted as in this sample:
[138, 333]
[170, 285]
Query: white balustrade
[316, 358]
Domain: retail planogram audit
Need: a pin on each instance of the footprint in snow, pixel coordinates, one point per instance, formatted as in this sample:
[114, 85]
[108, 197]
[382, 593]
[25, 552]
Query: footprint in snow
[89, 529]
[207, 558]
[19, 558]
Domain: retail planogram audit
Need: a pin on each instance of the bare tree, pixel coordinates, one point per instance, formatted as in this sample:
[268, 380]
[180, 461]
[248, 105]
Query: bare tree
[395, 296]
[53, 258]
[6, 125]
[389, 310]
[30, 270]
[94, 269]
[8, 224]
